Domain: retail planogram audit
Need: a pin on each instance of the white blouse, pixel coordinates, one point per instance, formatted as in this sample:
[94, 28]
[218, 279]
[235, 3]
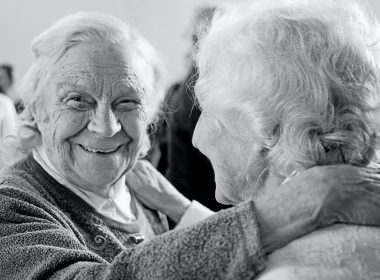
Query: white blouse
[120, 205]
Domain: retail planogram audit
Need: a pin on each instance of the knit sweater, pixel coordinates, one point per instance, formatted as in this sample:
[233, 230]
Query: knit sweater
[47, 232]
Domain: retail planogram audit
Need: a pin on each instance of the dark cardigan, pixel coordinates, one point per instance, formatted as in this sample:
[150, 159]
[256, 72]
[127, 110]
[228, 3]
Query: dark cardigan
[47, 232]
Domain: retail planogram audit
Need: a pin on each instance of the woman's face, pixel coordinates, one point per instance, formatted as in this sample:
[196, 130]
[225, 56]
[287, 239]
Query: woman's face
[239, 164]
[91, 115]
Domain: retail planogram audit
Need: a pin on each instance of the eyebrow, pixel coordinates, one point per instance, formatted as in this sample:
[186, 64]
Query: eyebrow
[131, 81]
[75, 82]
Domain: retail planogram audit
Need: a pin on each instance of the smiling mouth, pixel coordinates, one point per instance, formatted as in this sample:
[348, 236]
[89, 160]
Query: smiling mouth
[99, 151]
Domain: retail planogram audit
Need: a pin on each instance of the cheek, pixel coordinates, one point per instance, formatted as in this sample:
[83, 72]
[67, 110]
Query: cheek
[226, 191]
[134, 125]
[57, 128]
[70, 123]
[204, 134]
[197, 137]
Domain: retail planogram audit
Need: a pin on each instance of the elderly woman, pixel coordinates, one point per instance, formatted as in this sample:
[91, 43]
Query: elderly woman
[66, 211]
[285, 86]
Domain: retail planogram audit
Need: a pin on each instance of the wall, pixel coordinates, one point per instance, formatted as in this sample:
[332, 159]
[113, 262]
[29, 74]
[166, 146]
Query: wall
[163, 22]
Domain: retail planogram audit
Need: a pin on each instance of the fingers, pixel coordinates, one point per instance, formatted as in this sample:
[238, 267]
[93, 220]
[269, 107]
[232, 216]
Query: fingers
[139, 177]
[355, 174]
[140, 167]
[133, 180]
[361, 208]
[145, 178]
[373, 176]
[370, 181]
[145, 168]
[371, 169]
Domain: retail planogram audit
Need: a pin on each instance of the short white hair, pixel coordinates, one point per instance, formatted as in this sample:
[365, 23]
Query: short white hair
[53, 43]
[89, 27]
[303, 75]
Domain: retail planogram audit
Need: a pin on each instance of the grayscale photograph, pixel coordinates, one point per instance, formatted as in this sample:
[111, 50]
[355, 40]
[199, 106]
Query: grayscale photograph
[190, 139]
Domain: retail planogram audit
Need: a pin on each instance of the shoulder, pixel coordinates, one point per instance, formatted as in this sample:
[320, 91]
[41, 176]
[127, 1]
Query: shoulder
[15, 180]
[24, 199]
[20, 180]
[338, 252]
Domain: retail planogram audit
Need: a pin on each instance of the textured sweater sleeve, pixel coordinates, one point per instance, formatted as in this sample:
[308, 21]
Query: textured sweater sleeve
[37, 244]
[224, 246]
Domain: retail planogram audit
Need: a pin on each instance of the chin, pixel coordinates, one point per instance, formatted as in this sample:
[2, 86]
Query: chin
[226, 192]
[223, 199]
[97, 177]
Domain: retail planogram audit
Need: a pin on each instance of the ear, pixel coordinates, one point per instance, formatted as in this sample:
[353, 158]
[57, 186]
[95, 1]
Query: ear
[29, 136]
[273, 137]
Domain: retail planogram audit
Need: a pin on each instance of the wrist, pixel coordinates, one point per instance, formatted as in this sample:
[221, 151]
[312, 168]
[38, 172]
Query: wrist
[277, 229]
[178, 209]
[273, 239]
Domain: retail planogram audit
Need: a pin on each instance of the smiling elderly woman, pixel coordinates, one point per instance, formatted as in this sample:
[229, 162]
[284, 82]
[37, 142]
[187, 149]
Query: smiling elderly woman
[284, 86]
[93, 127]
[66, 211]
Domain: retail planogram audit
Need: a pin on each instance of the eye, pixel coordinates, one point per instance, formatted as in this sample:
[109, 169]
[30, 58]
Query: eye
[127, 105]
[76, 99]
[78, 102]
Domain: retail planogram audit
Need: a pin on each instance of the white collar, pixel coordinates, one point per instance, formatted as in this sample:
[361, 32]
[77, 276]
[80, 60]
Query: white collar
[116, 206]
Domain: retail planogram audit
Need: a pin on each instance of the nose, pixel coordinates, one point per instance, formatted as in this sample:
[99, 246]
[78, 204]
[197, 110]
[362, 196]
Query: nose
[206, 132]
[196, 133]
[104, 122]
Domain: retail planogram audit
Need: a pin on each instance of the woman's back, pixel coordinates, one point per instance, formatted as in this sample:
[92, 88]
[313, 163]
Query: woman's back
[338, 252]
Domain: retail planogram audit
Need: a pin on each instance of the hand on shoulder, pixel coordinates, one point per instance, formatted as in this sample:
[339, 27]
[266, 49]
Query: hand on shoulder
[155, 191]
[319, 197]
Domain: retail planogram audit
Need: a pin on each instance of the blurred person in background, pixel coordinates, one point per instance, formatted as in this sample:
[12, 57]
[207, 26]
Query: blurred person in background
[74, 207]
[6, 85]
[8, 116]
[285, 86]
[6, 78]
[187, 168]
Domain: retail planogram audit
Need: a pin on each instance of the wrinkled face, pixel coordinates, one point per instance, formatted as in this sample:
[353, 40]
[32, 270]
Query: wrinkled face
[91, 115]
[239, 164]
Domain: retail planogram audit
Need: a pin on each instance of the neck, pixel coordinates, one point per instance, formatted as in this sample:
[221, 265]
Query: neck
[108, 191]
[272, 182]
[111, 190]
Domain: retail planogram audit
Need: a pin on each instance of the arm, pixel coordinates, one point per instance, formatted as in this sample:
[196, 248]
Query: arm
[37, 244]
[210, 249]
[156, 192]
[317, 197]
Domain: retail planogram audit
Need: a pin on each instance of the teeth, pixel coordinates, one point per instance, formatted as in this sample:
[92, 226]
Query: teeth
[105, 151]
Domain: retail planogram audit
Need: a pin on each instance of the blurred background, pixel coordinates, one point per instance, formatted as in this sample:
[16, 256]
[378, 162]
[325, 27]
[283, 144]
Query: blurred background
[164, 22]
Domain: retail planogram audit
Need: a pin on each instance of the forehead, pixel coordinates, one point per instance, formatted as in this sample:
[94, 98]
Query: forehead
[96, 64]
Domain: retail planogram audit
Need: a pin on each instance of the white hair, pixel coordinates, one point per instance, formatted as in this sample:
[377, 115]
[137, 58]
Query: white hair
[303, 75]
[77, 28]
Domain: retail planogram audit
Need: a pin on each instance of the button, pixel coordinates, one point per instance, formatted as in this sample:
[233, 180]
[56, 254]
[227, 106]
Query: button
[138, 238]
